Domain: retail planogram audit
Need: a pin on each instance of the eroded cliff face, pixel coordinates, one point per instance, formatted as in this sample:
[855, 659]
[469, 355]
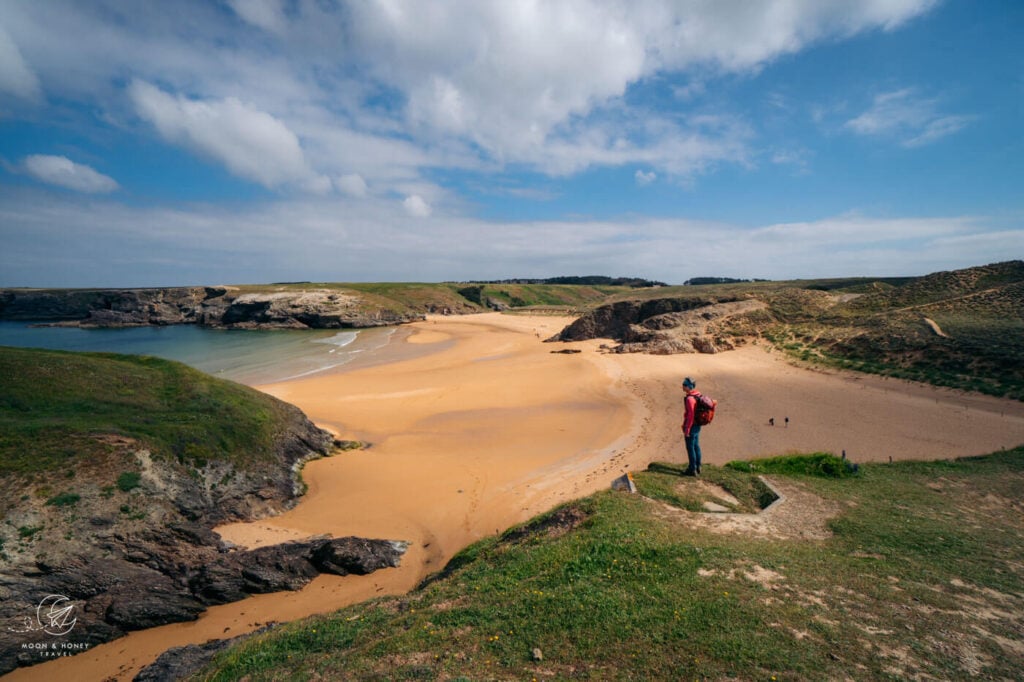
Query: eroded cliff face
[315, 309]
[222, 307]
[109, 307]
[130, 552]
[670, 325]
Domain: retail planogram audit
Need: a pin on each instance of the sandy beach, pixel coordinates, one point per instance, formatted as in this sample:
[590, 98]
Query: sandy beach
[476, 425]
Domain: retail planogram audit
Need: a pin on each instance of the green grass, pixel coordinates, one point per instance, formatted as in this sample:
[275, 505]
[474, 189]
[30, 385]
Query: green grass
[823, 464]
[56, 407]
[555, 295]
[65, 499]
[662, 482]
[128, 481]
[27, 532]
[921, 577]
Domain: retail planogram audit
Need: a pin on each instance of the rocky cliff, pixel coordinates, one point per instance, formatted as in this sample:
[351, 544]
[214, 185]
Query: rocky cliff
[670, 325]
[224, 307]
[132, 547]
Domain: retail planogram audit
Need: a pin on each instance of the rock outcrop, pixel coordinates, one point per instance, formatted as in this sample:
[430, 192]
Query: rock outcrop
[665, 326]
[342, 556]
[221, 307]
[80, 570]
[111, 307]
[317, 309]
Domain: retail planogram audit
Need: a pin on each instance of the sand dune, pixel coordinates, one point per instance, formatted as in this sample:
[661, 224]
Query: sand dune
[477, 426]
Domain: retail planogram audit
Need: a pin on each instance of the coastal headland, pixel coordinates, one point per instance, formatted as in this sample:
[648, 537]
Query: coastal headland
[476, 425]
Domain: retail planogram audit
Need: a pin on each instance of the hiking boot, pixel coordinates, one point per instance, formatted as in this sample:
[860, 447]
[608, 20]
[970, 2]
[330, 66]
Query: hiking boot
[690, 472]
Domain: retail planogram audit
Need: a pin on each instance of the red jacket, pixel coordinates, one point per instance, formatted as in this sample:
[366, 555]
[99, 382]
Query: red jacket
[689, 411]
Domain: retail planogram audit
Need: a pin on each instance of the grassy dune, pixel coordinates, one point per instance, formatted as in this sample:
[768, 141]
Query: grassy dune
[914, 570]
[58, 408]
[962, 329]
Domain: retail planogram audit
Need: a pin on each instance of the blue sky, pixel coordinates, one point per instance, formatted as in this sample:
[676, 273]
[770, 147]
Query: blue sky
[205, 142]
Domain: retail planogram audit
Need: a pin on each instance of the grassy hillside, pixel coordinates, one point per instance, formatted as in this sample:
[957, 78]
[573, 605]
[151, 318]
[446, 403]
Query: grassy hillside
[406, 297]
[963, 329]
[567, 295]
[900, 571]
[58, 408]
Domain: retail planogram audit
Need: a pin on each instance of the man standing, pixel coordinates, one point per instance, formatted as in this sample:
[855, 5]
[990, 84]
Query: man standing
[691, 429]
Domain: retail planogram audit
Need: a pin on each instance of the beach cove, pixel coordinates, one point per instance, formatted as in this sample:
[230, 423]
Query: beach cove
[476, 425]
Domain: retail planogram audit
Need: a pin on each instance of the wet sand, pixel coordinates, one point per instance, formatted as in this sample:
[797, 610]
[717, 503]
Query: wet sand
[476, 425]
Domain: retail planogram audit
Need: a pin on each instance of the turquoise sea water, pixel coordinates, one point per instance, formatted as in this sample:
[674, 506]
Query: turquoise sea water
[249, 357]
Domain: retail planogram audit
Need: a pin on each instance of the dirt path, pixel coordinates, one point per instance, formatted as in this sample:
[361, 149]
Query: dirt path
[796, 515]
[935, 327]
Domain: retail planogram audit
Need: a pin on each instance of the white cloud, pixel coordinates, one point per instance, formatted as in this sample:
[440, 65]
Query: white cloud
[912, 119]
[643, 178]
[938, 128]
[416, 206]
[62, 171]
[452, 84]
[797, 158]
[15, 75]
[519, 78]
[251, 143]
[266, 14]
[352, 185]
[691, 90]
[316, 184]
[56, 240]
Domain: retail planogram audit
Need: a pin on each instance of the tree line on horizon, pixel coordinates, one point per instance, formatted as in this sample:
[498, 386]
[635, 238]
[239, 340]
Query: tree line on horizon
[587, 280]
[601, 280]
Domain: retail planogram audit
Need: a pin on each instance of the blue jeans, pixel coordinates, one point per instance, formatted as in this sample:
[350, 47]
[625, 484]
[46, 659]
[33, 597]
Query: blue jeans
[693, 448]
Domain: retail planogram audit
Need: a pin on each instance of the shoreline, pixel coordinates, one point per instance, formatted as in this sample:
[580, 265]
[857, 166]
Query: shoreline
[477, 426]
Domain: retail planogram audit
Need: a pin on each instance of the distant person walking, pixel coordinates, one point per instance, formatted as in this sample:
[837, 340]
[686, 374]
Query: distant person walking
[691, 429]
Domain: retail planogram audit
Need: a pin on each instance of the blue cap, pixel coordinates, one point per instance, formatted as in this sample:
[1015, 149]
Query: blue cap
[689, 383]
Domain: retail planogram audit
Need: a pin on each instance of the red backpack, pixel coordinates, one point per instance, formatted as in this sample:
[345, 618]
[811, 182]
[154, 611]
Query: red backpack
[704, 410]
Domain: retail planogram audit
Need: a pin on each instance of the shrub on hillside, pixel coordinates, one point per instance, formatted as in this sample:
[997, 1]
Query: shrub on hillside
[823, 464]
